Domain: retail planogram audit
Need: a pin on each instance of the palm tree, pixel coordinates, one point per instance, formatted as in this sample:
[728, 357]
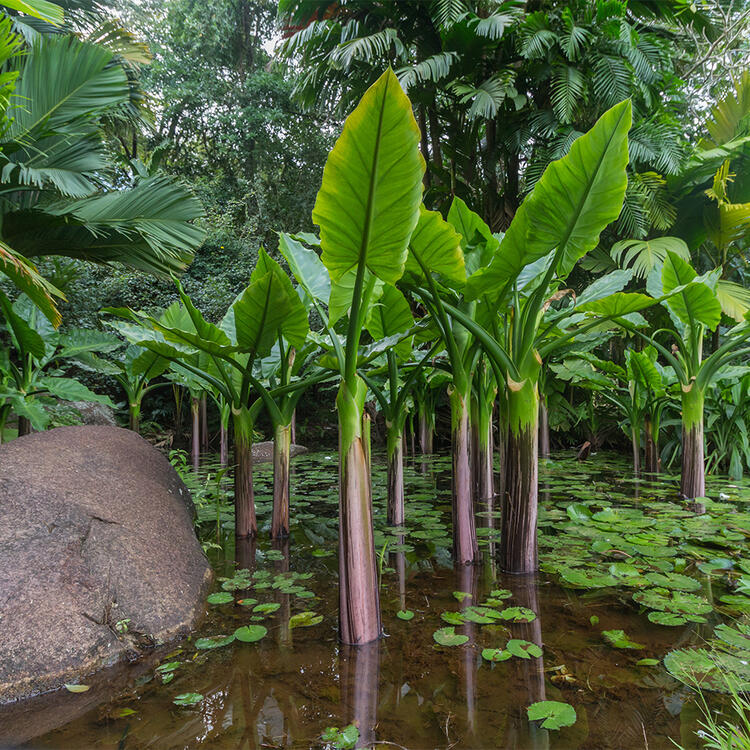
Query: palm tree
[60, 194]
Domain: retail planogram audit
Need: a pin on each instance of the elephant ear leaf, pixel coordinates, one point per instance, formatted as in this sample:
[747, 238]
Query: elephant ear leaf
[306, 267]
[27, 339]
[389, 316]
[574, 200]
[269, 307]
[435, 246]
[696, 302]
[368, 202]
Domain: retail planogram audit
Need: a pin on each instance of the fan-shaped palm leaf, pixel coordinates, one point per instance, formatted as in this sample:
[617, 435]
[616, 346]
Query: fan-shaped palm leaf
[643, 255]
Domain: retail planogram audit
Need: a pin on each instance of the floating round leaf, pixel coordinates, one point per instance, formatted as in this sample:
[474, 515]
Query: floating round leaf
[449, 637]
[214, 641]
[305, 619]
[496, 654]
[523, 649]
[220, 597]
[554, 713]
[187, 699]
[405, 614]
[250, 633]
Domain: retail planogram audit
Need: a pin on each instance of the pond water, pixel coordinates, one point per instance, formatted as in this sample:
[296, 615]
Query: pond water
[614, 553]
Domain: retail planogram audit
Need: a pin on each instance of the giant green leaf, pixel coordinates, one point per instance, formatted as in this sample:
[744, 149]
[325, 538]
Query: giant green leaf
[696, 302]
[574, 200]
[436, 246]
[368, 203]
[389, 316]
[306, 267]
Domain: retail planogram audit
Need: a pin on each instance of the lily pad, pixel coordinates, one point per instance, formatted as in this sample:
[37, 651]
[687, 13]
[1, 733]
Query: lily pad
[523, 649]
[220, 597]
[214, 641]
[555, 714]
[187, 699]
[449, 637]
[618, 639]
[305, 619]
[518, 614]
[71, 688]
[250, 633]
[496, 654]
[405, 614]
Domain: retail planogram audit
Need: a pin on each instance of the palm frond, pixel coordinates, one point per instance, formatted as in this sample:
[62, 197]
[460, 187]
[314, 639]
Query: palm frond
[499, 21]
[643, 255]
[146, 227]
[535, 36]
[487, 98]
[568, 88]
[576, 37]
[431, 69]
[447, 12]
[370, 48]
[733, 298]
[611, 80]
[730, 118]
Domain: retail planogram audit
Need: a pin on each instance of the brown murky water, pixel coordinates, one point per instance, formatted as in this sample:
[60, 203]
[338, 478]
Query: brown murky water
[404, 691]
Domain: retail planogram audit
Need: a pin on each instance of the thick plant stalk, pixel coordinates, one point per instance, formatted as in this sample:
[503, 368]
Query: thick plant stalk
[281, 450]
[652, 448]
[518, 546]
[395, 450]
[484, 463]
[635, 440]
[693, 480]
[426, 419]
[223, 444]
[204, 423]
[502, 441]
[134, 415]
[465, 549]
[245, 524]
[544, 449]
[359, 601]
[24, 426]
[195, 437]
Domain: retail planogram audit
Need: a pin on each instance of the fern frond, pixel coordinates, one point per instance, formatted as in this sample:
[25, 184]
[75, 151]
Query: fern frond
[568, 87]
[611, 80]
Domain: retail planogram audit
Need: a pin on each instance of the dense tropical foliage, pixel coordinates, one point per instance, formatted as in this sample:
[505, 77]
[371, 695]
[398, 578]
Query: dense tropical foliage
[511, 228]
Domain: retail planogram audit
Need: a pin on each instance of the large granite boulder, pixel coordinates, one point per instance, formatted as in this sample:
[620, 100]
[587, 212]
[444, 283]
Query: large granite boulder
[98, 557]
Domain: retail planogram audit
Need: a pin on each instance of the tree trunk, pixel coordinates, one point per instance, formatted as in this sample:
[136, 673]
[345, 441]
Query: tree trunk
[195, 437]
[635, 440]
[502, 441]
[359, 602]
[395, 449]
[693, 481]
[281, 446]
[204, 423]
[518, 544]
[652, 448]
[437, 155]
[465, 549]
[543, 429]
[293, 434]
[244, 501]
[24, 426]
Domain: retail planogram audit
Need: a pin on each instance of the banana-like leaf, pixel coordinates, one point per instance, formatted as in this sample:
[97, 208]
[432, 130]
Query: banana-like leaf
[141, 361]
[643, 255]
[733, 298]
[368, 203]
[573, 201]
[306, 267]
[391, 315]
[437, 245]
[697, 301]
[78, 341]
[29, 408]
